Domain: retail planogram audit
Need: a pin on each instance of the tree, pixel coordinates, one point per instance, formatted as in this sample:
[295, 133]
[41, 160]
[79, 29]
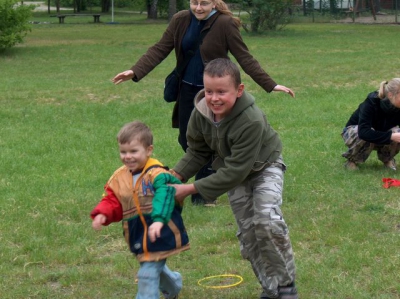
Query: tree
[266, 14]
[105, 5]
[152, 9]
[171, 9]
[333, 6]
[14, 24]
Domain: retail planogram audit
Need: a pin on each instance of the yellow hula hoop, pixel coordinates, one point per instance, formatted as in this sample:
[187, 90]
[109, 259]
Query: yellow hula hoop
[240, 280]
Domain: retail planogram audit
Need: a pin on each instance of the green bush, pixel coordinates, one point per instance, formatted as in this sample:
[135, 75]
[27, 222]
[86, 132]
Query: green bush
[14, 24]
[162, 6]
[266, 14]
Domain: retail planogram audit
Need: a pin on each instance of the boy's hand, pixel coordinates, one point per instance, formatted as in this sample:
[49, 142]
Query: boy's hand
[183, 191]
[155, 231]
[98, 221]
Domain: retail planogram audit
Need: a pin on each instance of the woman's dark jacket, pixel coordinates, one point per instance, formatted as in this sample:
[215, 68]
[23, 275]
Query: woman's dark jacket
[375, 118]
[223, 37]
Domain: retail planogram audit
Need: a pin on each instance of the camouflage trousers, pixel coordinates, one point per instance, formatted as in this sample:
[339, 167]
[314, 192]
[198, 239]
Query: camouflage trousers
[359, 150]
[262, 231]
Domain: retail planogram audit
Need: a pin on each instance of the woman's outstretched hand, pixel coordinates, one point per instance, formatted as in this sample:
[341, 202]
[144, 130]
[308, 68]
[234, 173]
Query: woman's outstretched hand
[284, 89]
[124, 76]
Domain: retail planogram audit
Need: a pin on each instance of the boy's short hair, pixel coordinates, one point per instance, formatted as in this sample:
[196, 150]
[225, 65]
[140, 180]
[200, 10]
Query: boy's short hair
[135, 130]
[222, 67]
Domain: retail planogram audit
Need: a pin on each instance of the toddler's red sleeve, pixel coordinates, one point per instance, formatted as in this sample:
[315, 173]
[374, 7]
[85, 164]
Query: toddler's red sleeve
[109, 206]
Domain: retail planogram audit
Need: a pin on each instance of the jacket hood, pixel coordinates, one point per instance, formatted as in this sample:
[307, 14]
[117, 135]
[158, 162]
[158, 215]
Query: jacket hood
[150, 163]
[241, 104]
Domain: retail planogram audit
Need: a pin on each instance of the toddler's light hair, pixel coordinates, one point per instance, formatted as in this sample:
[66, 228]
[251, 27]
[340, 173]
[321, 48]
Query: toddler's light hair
[135, 130]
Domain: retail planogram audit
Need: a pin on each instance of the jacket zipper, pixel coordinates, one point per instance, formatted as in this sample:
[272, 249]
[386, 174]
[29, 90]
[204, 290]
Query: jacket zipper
[137, 203]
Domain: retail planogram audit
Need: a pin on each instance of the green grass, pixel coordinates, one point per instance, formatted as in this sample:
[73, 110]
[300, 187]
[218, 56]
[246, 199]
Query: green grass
[60, 114]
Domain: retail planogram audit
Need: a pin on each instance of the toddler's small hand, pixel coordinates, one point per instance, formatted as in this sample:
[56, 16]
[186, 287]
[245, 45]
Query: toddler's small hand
[155, 231]
[98, 221]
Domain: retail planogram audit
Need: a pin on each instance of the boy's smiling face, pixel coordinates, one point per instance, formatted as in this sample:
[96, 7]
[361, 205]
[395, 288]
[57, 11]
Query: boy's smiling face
[221, 94]
[134, 154]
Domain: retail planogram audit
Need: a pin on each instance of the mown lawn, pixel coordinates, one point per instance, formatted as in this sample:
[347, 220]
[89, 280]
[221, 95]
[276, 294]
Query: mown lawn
[60, 114]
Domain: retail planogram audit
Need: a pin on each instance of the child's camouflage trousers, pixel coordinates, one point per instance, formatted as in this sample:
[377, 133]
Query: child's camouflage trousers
[262, 231]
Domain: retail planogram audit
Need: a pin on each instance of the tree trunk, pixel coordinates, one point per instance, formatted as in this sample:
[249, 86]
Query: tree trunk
[152, 10]
[171, 9]
[105, 5]
[332, 4]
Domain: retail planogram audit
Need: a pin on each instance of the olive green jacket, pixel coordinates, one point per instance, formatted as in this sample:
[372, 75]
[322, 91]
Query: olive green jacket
[240, 145]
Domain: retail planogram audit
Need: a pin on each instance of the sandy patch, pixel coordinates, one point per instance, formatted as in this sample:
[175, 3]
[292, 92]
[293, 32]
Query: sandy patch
[379, 19]
[42, 6]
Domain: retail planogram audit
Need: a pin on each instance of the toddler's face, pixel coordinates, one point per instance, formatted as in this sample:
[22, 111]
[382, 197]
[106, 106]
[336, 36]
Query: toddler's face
[221, 94]
[134, 155]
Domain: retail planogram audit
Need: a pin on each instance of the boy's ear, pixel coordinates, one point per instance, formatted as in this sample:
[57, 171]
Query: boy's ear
[150, 150]
[240, 90]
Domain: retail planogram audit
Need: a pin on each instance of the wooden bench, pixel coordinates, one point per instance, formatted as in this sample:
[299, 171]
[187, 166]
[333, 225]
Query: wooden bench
[96, 17]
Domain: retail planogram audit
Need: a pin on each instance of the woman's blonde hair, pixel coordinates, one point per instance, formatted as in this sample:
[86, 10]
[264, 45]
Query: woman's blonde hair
[223, 8]
[386, 87]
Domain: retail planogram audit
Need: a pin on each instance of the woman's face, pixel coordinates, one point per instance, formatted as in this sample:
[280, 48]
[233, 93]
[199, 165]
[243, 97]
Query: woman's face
[394, 99]
[201, 8]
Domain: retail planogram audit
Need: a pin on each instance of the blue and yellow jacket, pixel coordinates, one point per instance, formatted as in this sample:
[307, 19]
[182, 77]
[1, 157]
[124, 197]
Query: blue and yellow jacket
[140, 204]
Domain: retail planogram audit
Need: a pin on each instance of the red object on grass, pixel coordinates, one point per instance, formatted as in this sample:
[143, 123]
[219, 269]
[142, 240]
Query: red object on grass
[389, 182]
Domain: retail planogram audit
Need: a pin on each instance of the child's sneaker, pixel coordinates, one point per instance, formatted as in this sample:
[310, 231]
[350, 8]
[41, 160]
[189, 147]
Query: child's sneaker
[288, 292]
[166, 296]
[264, 295]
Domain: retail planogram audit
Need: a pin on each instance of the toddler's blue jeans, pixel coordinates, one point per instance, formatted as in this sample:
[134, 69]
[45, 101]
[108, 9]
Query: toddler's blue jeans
[154, 277]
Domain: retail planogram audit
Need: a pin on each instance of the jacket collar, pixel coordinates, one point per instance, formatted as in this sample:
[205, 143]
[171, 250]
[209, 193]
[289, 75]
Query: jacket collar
[151, 162]
[210, 19]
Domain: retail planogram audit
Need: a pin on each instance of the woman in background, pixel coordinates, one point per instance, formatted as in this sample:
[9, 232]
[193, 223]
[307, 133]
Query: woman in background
[375, 126]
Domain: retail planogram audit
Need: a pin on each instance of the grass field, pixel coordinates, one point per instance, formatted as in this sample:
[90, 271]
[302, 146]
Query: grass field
[60, 114]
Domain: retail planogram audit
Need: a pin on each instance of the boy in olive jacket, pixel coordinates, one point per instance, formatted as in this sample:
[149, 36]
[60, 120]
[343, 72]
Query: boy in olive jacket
[138, 194]
[229, 128]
